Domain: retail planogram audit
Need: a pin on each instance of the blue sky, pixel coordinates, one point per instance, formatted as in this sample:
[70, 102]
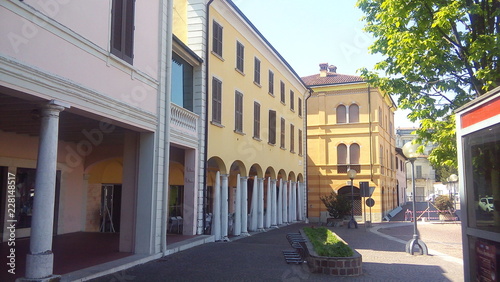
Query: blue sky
[307, 33]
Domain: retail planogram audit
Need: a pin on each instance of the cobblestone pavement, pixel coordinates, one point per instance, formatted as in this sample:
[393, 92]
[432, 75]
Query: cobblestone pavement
[258, 258]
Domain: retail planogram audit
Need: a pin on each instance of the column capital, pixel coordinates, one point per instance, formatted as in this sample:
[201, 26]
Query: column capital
[224, 175]
[244, 177]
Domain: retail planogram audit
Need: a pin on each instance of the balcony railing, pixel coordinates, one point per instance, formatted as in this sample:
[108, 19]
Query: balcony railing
[183, 120]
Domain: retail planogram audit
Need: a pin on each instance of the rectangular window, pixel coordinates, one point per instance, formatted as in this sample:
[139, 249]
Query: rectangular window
[292, 100]
[256, 74]
[292, 138]
[272, 127]
[271, 82]
[182, 83]
[282, 91]
[238, 111]
[216, 100]
[300, 142]
[418, 171]
[217, 39]
[240, 56]
[122, 29]
[256, 120]
[300, 107]
[282, 135]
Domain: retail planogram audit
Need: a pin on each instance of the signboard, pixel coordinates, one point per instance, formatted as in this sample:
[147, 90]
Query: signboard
[370, 202]
[486, 261]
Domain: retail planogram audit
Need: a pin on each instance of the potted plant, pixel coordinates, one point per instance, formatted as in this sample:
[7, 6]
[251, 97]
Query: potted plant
[445, 206]
[338, 206]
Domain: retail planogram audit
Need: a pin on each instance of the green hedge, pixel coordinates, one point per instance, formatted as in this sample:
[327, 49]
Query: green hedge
[326, 243]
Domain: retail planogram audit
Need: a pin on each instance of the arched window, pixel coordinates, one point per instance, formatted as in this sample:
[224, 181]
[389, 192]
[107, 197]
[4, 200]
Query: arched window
[354, 154]
[353, 113]
[341, 154]
[341, 114]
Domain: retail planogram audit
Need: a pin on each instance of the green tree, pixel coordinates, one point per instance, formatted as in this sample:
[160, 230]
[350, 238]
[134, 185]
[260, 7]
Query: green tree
[438, 55]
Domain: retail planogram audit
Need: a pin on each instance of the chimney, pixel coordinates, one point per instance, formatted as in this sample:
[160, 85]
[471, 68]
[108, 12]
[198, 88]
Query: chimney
[322, 69]
[332, 68]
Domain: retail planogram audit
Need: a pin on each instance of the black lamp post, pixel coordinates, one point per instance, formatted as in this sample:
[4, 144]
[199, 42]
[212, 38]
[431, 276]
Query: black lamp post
[410, 151]
[352, 174]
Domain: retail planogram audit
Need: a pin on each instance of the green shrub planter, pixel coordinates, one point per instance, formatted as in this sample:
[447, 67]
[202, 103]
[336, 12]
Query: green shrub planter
[345, 262]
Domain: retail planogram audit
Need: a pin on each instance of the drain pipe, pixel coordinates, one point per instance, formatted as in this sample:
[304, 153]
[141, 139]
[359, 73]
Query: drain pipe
[370, 130]
[309, 94]
[205, 170]
[166, 155]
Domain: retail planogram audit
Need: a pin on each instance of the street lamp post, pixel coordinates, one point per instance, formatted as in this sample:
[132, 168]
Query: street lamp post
[352, 174]
[410, 151]
[453, 179]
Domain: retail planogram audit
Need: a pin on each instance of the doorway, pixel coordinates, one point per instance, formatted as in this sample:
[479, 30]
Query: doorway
[111, 199]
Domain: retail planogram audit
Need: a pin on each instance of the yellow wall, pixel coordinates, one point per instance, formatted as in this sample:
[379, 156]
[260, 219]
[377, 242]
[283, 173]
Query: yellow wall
[180, 20]
[224, 142]
[324, 135]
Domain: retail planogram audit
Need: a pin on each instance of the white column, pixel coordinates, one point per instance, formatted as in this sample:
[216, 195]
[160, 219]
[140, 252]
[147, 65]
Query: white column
[267, 223]
[294, 201]
[290, 201]
[224, 207]
[217, 214]
[255, 196]
[285, 202]
[237, 208]
[260, 206]
[244, 206]
[274, 204]
[280, 204]
[40, 259]
[299, 201]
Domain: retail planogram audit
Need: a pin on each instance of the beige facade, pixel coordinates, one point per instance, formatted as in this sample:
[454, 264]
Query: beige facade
[349, 126]
[255, 115]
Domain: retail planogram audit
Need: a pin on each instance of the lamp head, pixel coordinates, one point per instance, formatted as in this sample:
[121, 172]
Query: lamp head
[410, 150]
[453, 178]
[351, 174]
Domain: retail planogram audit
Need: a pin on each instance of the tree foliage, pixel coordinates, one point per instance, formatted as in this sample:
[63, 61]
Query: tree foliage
[438, 55]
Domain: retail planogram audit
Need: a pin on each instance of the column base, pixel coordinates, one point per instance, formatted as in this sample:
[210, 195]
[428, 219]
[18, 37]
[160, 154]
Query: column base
[274, 226]
[52, 278]
[245, 234]
[39, 267]
[225, 239]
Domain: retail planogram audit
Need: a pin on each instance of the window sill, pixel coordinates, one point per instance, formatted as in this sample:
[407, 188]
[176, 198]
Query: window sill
[283, 103]
[282, 148]
[292, 110]
[271, 94]
[217, 55]
[257, 84]
[271, 144]
[239, 71]
[217, 124]
[257, 139]
[239, 132]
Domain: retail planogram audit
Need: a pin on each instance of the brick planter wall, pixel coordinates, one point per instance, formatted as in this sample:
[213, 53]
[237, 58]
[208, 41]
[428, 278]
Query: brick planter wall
[339, 266]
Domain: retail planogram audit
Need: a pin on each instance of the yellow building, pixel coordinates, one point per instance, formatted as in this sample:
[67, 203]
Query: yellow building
[256, 127]
[349, 126]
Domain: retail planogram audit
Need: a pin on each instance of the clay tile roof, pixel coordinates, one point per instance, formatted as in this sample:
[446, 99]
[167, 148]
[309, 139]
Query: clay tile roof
[330, 78]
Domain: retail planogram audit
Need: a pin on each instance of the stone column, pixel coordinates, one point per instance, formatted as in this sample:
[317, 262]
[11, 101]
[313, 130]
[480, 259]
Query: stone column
[274, 203]
[224, 206]
[285, 202]
[237, 208]
[260, 205]
[293, 187]
[255, 196]
[279, 208]
[267, 223]
[299, 201]
[40, 259]
[217, 215]
[244, 206]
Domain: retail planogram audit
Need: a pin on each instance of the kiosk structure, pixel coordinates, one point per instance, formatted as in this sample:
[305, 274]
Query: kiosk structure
[478, 147]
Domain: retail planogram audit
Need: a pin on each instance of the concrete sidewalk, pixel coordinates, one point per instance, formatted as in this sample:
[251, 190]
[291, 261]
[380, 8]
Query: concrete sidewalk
[259, 258]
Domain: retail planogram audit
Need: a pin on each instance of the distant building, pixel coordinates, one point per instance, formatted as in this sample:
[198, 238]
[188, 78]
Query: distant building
[349, 126]
[425, 175]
